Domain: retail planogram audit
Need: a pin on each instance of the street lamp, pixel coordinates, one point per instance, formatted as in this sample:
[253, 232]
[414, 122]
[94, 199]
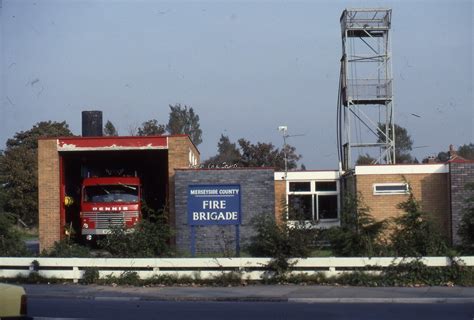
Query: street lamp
[284, 131]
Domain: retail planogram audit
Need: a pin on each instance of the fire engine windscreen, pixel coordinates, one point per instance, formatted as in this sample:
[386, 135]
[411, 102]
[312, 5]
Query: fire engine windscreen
[111, 193]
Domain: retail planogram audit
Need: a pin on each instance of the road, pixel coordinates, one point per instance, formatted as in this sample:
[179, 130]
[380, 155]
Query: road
[121, 308]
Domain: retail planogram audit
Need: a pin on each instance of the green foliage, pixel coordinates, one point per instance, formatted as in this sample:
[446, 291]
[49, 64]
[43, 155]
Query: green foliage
[66, 248]
[403, 143]
[281, 241]
[90, 276]
[11, 244]
[466, 227]
[129, 278]
[414, 234]
[248, 154]
[109, 129]
[150, 238]
[359, 233]
[184, 121]
[227, 153]
[18, 169]
[231, 278]
[151, 128]
[266, 155]
[467, 151]
[365, 159]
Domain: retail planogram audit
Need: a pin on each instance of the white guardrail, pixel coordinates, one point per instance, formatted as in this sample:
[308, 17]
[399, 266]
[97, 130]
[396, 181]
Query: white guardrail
[204, 268]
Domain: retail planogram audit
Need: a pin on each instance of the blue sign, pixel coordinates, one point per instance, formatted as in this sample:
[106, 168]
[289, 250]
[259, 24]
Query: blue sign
[214, 204]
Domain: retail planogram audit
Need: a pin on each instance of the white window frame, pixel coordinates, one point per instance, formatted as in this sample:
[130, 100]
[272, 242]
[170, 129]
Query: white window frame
[314, 197]
[406, 189]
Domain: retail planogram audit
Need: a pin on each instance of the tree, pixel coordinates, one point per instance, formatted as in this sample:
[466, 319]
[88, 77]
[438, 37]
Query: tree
[467, 151]
[184, 121]
[365, 159]
[266, 155]
[18, 169]
[403, 143]
[109, 129]
[415, 235]
[151, 128]
[227, 152]
[359, 233]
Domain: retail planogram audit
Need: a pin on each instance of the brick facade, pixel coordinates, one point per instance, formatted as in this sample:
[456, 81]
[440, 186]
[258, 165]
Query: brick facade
[181, 154]
[257, 198]
[430, 189]
[48, 193]
[179, 149]
[460, 174]
[280, 198]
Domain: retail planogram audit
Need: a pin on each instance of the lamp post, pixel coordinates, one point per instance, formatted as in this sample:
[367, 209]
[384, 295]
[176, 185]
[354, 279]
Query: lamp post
[284, 131]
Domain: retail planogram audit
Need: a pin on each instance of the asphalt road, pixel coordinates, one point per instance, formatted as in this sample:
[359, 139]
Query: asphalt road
[117, 308]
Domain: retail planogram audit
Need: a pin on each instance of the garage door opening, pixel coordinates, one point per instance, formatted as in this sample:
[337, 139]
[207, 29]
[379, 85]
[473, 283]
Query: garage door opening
[150, 166]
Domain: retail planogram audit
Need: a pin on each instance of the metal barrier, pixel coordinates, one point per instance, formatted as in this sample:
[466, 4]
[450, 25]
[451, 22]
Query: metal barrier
[202, 268]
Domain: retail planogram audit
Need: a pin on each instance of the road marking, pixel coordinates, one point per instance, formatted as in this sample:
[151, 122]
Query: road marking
[117, 298]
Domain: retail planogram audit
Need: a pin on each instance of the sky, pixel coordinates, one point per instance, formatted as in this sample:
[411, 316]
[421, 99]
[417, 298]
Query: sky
[245, 67]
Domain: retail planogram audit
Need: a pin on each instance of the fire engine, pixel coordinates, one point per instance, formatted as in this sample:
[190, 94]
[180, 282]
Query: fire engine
[108, 202]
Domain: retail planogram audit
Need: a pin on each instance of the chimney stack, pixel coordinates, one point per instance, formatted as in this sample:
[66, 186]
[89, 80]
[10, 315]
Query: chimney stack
[92, 124]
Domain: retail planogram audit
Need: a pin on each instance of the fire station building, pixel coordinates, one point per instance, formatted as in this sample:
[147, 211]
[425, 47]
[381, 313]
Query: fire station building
[211, 210]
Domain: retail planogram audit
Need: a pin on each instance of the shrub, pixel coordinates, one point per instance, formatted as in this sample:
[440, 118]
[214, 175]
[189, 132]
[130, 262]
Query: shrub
[91, 275]
[11, 244]
[414, 234]
[66, 248]
[359, 233]
[466, 227]
[281, 241]
[232, 278]
[149, 239]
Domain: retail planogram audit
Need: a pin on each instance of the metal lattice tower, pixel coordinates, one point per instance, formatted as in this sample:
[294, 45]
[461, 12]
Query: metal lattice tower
[365, 104]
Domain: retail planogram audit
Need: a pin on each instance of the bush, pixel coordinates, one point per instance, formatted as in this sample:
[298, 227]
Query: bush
[91, 275]
[281, 241]
[414, 234]
[466, 227]
[359, 233]
[66, 248]
[11, 244]
[150, 238]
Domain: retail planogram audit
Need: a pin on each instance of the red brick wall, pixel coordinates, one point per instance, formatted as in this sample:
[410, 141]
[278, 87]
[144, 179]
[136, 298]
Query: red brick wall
[48, 193]
[178, 157]
[280, 198]
[430, 189]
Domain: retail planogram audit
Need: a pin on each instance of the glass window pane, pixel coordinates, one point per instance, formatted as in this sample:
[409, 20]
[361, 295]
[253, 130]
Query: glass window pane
[300, 186]
[327, 206]
[299, 207]
[394, 188]
[326, 186]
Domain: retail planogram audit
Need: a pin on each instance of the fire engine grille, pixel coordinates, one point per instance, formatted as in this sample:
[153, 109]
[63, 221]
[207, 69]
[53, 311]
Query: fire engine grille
[105, 220]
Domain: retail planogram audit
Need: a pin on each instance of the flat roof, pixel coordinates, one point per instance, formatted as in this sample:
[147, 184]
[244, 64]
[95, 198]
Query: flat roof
[308, 175]
[402, 169]
[113, 143]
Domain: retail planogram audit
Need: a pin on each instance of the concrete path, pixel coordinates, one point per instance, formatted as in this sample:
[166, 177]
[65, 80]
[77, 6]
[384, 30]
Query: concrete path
[282, 293]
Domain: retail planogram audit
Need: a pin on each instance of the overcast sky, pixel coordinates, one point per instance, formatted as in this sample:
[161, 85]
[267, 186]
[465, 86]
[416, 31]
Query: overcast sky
[246, 67]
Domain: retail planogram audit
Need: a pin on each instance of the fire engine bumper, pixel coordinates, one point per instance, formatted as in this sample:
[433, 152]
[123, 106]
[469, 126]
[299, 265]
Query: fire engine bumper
[95, 231]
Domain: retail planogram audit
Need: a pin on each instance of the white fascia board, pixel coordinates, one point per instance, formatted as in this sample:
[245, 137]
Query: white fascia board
[307, 175]
[402, 169]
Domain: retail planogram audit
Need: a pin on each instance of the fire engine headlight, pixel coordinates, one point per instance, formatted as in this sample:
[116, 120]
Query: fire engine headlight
[85, 226]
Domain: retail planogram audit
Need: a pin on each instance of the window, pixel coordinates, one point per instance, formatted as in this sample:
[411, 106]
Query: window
[299, 207]
[313, 200]
[327, 206]
[111, 193]
[390, 188]
[300, 186]
[326, 186]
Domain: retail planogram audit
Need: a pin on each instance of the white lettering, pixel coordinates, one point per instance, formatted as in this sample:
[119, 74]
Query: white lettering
[215, 216]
